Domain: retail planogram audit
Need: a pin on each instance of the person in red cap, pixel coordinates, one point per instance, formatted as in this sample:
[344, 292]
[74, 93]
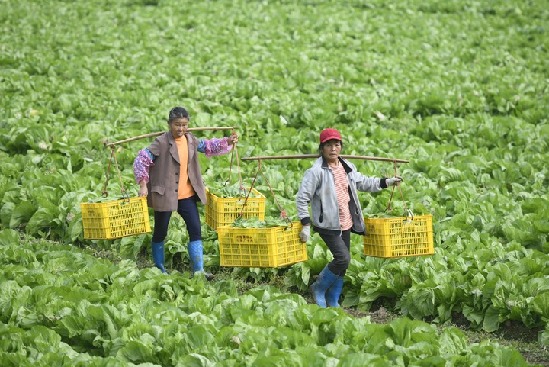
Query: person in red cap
[330, 187]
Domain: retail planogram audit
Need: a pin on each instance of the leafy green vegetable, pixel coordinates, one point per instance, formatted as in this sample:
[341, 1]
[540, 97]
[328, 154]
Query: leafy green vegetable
[231, 191]
[257, 223]
[457, 87]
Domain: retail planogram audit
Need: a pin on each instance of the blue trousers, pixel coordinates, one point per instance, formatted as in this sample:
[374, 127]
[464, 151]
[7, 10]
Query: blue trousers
[188, 210]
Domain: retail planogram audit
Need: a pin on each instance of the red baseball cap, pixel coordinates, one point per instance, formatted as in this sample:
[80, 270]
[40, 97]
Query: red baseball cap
[329, 134]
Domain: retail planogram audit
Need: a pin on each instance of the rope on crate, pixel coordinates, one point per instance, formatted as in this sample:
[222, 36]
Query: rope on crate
[283, 213]
[389, 204]
[241, 186]
[236, 158]
[112, 161]
[233, 153]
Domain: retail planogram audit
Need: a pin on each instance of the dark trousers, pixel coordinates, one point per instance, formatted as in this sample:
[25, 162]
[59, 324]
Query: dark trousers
[188, 210]
[339, 245]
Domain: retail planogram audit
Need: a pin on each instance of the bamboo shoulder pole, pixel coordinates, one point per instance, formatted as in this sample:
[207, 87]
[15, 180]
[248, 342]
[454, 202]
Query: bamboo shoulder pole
[162, 132]
[303, 156]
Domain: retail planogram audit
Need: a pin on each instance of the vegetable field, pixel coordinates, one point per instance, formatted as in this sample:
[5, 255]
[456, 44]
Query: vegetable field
[459, 88]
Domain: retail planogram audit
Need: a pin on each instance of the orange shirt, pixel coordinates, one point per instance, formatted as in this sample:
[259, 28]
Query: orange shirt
[184, 189]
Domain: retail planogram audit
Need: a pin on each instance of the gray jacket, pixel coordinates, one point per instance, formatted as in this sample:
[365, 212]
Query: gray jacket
[318, 189]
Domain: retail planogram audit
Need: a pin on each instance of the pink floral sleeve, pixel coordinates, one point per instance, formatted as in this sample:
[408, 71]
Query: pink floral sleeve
[141, 165]
[215, 146]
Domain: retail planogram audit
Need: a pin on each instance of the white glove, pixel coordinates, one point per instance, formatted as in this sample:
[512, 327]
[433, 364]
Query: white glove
[393, 181]
[305, 233]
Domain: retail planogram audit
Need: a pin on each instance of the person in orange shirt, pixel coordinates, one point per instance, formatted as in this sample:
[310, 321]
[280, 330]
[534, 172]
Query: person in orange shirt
[168, 174]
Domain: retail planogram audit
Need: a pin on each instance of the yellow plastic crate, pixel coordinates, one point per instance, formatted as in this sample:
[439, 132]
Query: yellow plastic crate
[115, 219]
[224, 211]
[399, 236]
[271, 247]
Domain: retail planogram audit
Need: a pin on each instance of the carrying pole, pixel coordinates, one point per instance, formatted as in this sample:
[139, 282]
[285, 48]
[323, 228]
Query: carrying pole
[162, 132]
[304, 156]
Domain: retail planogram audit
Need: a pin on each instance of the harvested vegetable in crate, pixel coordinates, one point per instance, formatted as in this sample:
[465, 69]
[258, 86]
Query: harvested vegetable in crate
[223, 211]
[399, 236]
[266, 247]
[257, 223]
[236, 190]
[113, 217]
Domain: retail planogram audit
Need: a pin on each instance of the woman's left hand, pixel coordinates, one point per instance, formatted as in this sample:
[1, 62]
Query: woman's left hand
[393, 181]
[233, 139]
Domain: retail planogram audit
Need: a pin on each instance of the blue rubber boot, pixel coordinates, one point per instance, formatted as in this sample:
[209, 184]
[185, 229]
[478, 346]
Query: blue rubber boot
[318, 289]
[196, 255]
[333, 293]
[158, 255]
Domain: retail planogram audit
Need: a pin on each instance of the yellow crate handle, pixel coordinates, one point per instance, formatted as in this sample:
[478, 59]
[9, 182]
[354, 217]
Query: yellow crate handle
[409, 216]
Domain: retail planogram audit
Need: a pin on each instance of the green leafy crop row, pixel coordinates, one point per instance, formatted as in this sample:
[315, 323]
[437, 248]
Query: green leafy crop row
[106, 314]
[459, 88]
